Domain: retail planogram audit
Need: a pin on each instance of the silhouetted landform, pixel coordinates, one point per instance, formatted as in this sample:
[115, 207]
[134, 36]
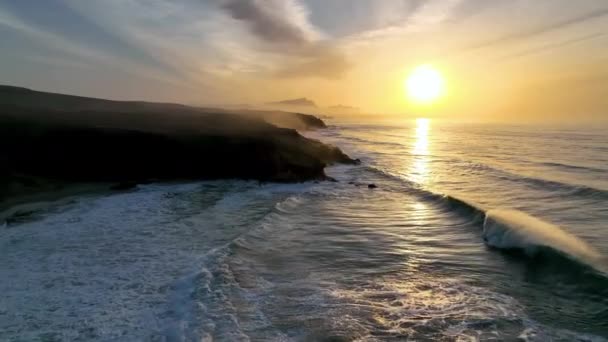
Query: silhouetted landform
[66, 139]
[299, 121]
[295, 102]
[109, 109]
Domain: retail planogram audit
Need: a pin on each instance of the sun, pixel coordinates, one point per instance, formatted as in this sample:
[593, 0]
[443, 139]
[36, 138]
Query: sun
[424, 84]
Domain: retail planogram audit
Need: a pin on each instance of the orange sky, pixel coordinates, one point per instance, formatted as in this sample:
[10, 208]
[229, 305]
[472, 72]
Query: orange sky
[524, 61]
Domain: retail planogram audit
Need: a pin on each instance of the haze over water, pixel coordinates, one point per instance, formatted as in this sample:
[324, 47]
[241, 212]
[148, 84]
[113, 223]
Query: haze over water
[234, 260]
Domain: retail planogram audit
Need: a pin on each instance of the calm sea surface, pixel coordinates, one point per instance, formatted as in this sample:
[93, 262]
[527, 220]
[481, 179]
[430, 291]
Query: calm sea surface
[473, 233]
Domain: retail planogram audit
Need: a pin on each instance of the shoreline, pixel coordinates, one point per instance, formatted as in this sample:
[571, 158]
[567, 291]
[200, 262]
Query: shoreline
[20, 206]
[55, 145]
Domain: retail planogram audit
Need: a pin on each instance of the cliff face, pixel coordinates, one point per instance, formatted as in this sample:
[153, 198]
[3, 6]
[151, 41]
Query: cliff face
[147, 143]
[109, 154]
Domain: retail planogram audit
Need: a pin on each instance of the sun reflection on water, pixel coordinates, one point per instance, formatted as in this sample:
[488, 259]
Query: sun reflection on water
[420, 151]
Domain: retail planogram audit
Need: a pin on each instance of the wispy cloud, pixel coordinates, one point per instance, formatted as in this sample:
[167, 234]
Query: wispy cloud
[416, 17]
[285, 27]
[539, 30]
[79, 54]
[554, 45]
[282, 22]
[188, 37]
[323, 61]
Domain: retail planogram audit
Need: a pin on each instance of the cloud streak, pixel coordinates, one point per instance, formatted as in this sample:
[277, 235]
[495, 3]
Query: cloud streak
[552, 46]
[410, 18]
[284, 26]
[540, 30]
[326, 63]
[275, 21]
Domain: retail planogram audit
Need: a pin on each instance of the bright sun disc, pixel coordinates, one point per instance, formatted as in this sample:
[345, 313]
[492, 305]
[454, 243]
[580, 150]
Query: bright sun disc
[424, 84]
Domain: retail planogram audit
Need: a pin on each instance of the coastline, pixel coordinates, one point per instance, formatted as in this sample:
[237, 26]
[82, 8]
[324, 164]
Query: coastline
[58, 146]
[21, 206]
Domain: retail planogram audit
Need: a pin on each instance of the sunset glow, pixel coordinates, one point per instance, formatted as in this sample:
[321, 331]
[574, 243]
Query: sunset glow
[424, 84]
[464, 60]
[304, 170]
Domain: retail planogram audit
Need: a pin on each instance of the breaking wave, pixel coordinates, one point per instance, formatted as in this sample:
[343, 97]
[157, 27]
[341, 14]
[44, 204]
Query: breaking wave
[514, 230]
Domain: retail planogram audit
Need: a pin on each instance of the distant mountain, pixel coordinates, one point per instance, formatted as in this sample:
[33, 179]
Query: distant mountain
[295, 102]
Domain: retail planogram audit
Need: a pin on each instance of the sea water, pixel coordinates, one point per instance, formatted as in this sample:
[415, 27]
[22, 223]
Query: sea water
[474, 232]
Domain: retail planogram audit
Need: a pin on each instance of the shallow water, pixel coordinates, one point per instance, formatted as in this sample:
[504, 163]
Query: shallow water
[232, 260]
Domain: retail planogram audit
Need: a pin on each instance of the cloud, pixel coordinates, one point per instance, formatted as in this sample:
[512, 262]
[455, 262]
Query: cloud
[328, 64]
[557, 45]
[275, 21]
[347, 17]
[79, 53]
[540, 30]
[406, 18]
[284, 26]
[192, 54]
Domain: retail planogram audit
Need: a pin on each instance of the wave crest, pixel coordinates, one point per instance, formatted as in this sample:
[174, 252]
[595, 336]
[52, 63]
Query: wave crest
[513, 229]
[509, 229]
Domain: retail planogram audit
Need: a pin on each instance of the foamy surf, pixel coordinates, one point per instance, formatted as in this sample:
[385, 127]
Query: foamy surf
[236, 261]
[513, 229]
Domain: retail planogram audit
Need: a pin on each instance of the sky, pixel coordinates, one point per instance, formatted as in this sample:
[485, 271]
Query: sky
[516, 60]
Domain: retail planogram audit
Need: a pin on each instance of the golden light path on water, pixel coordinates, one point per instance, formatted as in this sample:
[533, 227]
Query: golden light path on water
[420, 150]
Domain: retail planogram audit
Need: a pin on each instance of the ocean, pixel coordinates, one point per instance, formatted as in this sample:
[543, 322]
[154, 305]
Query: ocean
[473, 232]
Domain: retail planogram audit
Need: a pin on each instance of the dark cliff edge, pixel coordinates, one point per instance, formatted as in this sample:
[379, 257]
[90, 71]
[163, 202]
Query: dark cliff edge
[48, 138]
